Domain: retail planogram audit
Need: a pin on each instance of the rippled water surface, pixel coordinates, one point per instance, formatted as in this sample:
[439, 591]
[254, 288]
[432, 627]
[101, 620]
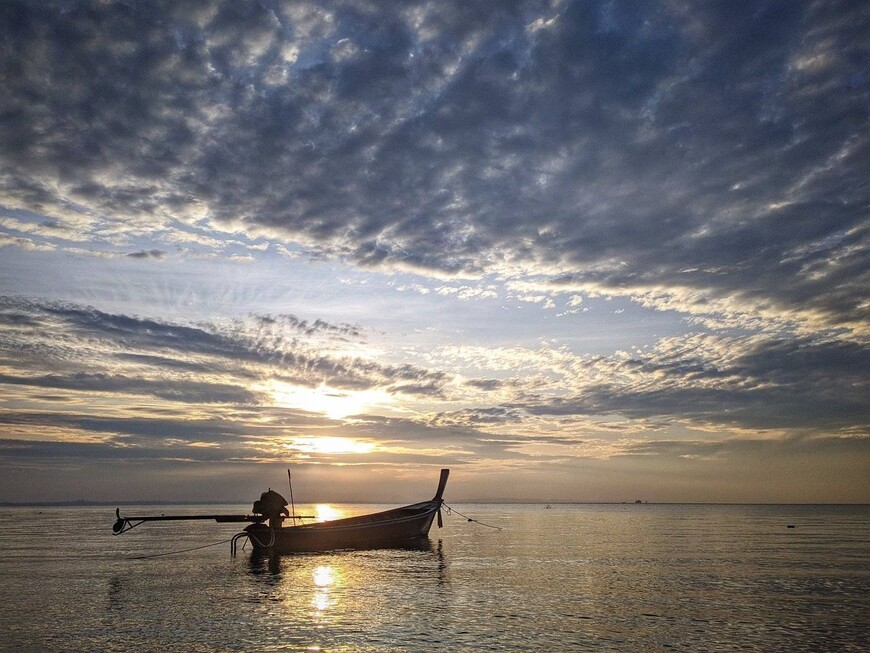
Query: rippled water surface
[569, 578]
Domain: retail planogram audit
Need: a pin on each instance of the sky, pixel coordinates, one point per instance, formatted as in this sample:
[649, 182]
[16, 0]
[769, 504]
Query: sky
[573, 251]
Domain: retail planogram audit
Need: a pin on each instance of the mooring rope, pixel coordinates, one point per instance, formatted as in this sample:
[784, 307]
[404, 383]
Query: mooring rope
[451, 510]
[169, 553]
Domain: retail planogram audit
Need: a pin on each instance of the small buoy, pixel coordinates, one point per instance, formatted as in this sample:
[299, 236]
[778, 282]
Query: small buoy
[790, 526]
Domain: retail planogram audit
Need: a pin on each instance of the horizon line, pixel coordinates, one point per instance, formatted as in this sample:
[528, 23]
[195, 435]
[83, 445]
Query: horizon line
[495, 502]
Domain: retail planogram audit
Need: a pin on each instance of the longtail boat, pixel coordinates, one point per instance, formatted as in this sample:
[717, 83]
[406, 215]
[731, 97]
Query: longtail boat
[389, 528]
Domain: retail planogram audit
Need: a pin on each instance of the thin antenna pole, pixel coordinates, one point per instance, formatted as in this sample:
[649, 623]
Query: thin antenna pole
[292, 504]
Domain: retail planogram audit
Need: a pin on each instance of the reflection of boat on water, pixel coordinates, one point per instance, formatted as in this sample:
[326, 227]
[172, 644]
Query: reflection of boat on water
[262, 561]
[376, 530]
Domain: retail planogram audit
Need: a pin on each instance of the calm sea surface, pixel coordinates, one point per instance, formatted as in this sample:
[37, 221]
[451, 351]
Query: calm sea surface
[569, 578]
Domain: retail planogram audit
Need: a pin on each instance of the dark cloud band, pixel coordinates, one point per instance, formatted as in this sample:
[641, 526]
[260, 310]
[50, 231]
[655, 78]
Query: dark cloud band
[717, 147]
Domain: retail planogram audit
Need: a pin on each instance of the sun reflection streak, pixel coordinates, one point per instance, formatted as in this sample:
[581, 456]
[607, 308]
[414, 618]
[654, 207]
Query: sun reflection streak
[324, 577]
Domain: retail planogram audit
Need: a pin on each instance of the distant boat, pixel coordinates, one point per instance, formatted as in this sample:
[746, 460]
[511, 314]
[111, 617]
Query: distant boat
[396, 527]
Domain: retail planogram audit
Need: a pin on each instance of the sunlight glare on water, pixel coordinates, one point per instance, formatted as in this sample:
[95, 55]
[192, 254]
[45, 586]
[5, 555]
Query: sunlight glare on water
[327, 512]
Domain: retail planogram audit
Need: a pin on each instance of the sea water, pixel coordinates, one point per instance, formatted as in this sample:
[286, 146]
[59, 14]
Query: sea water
[565, 578]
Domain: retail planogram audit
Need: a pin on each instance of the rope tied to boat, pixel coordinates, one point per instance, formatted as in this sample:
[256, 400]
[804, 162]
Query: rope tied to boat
[255, 540]
[451, 510]
[169, 553]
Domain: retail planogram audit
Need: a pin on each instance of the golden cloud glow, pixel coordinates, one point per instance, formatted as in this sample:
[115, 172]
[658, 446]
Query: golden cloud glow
[330, 445]
[332, 402]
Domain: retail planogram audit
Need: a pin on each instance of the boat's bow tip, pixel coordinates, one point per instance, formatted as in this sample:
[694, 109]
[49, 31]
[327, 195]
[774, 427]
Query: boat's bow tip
[442, 483]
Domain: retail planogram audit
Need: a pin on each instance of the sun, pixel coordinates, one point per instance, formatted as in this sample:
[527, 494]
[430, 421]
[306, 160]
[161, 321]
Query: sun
[332, 402]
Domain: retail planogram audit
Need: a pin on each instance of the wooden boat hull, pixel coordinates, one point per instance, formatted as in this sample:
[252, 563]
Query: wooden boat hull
[399, 527]
[390, 528]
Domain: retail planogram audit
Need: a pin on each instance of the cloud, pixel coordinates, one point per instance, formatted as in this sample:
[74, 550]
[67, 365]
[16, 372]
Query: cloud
[24, 243]
[714, 382]
[309, 328]
[749, 382]
[128, 390]
[466, 293]
[655, 151]
[720, 382]
[151, 253]
[50, 342]
[188, 391]
[748, 447]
